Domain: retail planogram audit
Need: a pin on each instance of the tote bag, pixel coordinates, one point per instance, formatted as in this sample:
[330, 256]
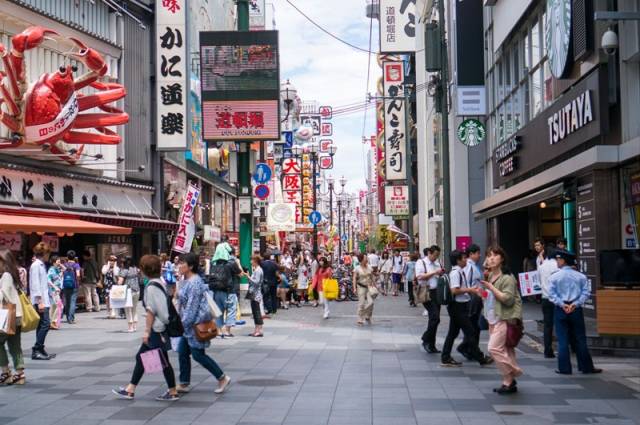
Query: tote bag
[330, 289]
[153, 361]
[8, 318]
[30, 317]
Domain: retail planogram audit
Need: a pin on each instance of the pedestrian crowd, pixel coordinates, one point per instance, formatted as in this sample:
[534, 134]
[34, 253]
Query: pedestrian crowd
[188, 301]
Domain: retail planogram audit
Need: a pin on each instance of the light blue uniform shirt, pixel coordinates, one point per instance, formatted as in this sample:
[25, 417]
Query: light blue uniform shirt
[568, 285]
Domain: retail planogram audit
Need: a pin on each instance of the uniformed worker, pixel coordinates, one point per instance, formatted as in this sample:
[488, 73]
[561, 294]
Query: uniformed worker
[568, 291]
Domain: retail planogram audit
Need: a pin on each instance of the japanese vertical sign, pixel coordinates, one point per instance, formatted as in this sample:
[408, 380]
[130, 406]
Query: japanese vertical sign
[257, 17]
[172, 89]
[398, 26]
[394, 121]
[292, 185]
[184, 237]
[396, 200]
[239, 73]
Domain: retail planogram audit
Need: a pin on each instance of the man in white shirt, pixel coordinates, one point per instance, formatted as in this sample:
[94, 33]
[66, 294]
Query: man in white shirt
[39, 290]
[474, 276]
[396, 271]
[374, 261]
[428, 269]
[458, 310]
[548, 267]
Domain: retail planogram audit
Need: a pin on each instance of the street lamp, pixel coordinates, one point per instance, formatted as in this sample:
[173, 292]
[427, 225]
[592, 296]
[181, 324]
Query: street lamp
[288, 95]
[313, 150]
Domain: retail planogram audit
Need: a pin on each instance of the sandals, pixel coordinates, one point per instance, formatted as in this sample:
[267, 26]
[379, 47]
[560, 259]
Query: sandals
[15, 379]
[5, 378]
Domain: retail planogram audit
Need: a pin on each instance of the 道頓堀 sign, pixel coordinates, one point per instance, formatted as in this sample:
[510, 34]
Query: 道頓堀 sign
[172, 88]
[184, 237]
[398, 26]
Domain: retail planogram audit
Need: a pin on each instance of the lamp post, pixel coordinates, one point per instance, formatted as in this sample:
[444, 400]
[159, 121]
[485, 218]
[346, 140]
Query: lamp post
[313, 150]
[331, 188]
[288, 94]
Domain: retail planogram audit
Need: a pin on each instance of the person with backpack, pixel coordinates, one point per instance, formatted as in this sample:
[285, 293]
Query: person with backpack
[194, 310]
[110, 273]
[457, 302]
[156, 335]
[220, 282]
[168, 273]
[474, 276]
[54, 277]
[130, 276]
[90, 279]
[428, 270]
[70, 285]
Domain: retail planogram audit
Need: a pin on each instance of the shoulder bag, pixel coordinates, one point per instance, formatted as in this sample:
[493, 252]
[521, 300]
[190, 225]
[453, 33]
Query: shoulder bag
[422, 293]
[30, 317]
[205, 331]
[515, 331]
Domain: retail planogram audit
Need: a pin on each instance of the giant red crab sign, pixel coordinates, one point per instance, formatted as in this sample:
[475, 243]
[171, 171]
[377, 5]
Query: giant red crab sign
[48, 112]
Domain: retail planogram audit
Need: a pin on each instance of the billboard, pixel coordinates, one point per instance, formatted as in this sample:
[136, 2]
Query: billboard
[396, 199]
[239, 74]
[398, 26]
[257, 15]
[395, 149]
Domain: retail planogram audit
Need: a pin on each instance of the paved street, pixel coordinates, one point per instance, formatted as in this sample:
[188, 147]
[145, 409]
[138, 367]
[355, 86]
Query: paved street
[313, 372]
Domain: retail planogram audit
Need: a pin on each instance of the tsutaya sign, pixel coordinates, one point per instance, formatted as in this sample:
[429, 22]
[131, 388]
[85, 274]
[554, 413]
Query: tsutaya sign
[575, 115]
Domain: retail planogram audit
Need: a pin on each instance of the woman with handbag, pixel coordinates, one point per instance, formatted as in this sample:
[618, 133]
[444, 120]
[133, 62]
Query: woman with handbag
[155, 335]
[110, 273]
[254, 294]
[199, 325]
[130, 276]
[364, 286]
[54, 277]
[324, 272]
[504, 314]
[10, 300]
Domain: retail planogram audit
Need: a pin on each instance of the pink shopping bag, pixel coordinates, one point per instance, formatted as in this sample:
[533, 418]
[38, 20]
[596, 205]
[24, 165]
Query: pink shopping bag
[153, 361]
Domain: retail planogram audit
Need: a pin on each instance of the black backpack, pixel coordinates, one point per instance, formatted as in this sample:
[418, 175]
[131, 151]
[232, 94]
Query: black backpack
[174, 327]
[219, 279]
[443, 290]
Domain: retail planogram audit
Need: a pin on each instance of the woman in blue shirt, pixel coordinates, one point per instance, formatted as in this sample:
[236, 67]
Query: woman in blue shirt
[410, 276]
[194, 309]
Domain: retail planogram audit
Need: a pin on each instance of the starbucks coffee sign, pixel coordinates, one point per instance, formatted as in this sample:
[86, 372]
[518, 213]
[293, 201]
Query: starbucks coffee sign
[471, 132]
[572, 117]
[558, 36]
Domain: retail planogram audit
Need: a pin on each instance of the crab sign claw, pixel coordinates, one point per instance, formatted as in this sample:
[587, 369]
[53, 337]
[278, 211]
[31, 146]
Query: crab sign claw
[92, 59]
[27, 39]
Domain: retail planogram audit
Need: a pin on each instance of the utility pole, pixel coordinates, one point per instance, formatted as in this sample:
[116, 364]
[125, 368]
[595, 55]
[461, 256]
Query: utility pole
[314, 162]
[407, 131]
[244, 171]
[444, 99]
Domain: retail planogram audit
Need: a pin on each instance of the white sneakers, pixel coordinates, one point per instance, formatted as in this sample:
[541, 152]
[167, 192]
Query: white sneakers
[222, 385]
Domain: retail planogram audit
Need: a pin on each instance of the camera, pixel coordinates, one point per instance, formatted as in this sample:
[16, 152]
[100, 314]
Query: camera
[609, 42]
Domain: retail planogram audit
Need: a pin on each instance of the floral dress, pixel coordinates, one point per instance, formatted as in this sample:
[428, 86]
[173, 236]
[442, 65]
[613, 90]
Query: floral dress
[194, 308]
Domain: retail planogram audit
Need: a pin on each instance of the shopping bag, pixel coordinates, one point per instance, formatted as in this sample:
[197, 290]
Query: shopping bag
[373, 292]
[118, 293]
[153, 361]
[310, 293]
[175, 343]
[330, 289]
[125, 302]
[422, 294]
[30, 317]
[215, 310]
[8, 319]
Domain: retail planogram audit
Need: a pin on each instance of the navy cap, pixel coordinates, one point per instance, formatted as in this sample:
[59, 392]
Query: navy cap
[567, 256]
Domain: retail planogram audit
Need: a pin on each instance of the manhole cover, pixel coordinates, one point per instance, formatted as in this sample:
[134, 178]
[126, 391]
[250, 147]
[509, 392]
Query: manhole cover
[509, 413]
[264, 382]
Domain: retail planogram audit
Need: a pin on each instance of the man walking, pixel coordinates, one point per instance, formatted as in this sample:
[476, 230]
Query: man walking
[459, 314]
[547, 268]
[89, 282]
[428, 269]
[269, 268]
[70, 280]
[396, 271]
[39, 290]
[474, 276]
[568, 291]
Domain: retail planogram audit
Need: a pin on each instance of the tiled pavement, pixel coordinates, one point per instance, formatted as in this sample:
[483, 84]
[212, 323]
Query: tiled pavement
[309, 371]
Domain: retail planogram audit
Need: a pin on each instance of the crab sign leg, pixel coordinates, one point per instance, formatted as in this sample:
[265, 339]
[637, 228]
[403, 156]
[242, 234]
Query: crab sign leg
[71, 158]
[100, 120]
[101, 98]
[7, 98]
[14, 142]
[11, 75]
[104, 137]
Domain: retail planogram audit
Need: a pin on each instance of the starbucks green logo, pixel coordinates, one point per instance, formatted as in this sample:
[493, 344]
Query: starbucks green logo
[471, 132]
[558, 35]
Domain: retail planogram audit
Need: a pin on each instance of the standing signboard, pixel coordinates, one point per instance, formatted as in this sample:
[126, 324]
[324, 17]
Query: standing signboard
[586, 231]
[172, 89]
[398, 26]
[530, 283]
[184, 237]
[239, 73]
[394, 121]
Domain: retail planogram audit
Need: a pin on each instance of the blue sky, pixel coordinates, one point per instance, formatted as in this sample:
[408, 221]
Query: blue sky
[330, 72]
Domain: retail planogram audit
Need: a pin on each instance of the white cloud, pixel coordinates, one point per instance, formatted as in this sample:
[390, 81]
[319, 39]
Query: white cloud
[330, 72]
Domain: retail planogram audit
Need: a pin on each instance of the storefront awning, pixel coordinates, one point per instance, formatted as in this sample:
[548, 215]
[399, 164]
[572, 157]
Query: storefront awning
[47, 224]
[143, 223]
[525, 201]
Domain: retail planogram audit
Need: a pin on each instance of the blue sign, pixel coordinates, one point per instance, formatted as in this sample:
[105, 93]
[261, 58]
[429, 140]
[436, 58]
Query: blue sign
[262, 173]
[315, 217]
[262, 191]
[344, 237]
[288, 139]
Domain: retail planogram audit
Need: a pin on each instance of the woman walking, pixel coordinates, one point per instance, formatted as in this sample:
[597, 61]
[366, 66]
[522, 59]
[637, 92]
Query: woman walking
[324, 272]
[255, 295]
[110, 273]
[130, 276]
[363, 281]
[506, 311]
[155, 333]
[386, 266]
[302, 283]
[194, 309]
[54, 277]
[10, 288]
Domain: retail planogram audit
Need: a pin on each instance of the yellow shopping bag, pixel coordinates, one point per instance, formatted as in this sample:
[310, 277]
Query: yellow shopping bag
[330, 289]
[30, 317]
[310, 292]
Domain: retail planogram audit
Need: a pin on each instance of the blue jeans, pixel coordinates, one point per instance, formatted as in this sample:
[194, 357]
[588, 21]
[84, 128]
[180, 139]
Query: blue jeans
[566, 325]
[232, 309]
[220, 299]
[43, 328]
[199, 355]
[70, 296]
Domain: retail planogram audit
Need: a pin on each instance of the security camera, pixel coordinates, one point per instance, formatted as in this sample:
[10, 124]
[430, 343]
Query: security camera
[609, 42]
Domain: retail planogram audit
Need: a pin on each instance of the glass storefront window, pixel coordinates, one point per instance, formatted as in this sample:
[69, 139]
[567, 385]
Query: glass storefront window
[527, 51]
[536, 91]
[535, 44]
[507, 72]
